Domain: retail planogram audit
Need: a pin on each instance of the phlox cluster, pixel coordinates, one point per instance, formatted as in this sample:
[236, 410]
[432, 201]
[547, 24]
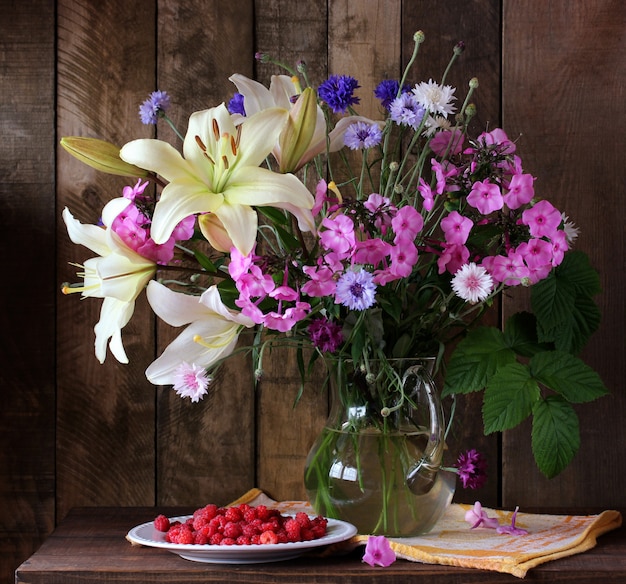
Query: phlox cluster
[132, 225]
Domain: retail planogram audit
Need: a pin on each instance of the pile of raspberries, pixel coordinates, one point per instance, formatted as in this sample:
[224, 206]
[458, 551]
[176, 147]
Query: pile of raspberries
[241, 525]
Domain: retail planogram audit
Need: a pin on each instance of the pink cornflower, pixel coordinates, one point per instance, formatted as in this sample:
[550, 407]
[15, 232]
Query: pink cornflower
[191, 380]
[472, 283]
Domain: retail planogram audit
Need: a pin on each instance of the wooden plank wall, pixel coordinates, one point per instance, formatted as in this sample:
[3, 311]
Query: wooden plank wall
[74, 432]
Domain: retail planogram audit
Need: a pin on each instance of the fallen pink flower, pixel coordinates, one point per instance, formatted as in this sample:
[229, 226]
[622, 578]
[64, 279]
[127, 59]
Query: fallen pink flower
[511, 529]
[477, 517]
[378, 552]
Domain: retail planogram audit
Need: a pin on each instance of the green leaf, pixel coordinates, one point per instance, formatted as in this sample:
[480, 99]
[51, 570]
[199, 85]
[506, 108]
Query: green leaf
[567, 375]
[475, 360]
[276, 216]
[287, 239]
[566, 312]
[205, 262]
[520, 334]
[555, 435]
[509, 398]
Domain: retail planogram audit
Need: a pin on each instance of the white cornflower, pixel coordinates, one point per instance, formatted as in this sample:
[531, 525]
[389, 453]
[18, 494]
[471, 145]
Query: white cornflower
[472, 283]
[571, 231]
[435, 98]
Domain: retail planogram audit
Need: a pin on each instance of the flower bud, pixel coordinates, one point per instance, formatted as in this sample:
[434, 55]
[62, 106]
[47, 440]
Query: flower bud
[459, 48]
[101, 155]
[473, 82]
[419, 37]
[298, 132]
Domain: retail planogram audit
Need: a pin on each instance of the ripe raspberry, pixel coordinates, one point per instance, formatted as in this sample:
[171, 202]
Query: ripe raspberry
[262, 512]
[232, 529]
[228, 541]
[303, 519]
[243, 540]
[161, 523]
[249, 515]
[268, 537]
[200, 538]
[292, 528]
[185, 536]
[216, 539]
[233, 514]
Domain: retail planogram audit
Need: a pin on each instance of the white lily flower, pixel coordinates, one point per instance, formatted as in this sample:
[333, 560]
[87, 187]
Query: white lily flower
[282, 89]
[211, 335]
[220, 174]
[118, 275]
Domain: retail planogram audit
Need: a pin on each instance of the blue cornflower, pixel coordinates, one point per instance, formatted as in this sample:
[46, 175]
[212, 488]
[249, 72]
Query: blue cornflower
[235, 105]
[337, 91]
[356, 289]
[387, 90]
[149, 110]
[361, 135]
[405, 110]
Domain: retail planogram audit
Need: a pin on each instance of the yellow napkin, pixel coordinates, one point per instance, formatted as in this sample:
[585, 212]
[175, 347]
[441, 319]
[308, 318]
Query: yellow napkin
[453, 543]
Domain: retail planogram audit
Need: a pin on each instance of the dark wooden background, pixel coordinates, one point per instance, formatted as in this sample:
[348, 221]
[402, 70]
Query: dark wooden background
[74, 432]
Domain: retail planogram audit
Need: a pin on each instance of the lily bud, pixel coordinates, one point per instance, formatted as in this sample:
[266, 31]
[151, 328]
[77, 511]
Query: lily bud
[297, 134]
[101, 155]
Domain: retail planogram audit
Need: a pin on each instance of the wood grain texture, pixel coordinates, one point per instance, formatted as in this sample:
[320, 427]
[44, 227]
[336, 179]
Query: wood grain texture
[28, 293]
[105, 413]
[562, 86]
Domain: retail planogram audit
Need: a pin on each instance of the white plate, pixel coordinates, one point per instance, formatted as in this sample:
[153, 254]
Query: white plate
[146, 534]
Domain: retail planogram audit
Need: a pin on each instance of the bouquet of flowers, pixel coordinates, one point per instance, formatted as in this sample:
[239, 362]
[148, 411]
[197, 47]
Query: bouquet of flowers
[289, 214]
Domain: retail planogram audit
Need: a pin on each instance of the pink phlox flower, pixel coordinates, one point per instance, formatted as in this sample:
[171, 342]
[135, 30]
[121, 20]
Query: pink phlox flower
[511, 529]
[520, 191]
[427, 194]
[321, 282]
[325, 334]
[283, 322]
[185, 228]
[536, 252]
[486, 197]
[477, 517]
[403, 258]
[284, 293]
[406, 224]
[255, 283]
[381, 209]
[132, 192]
[378, 551]
[338, 235]
[510, 269]
[384, 276]
[161, 253]
[443, 171]
[322, 197]
[448, 142]
[560, 245]
[250, 309]
[542, 219]
[453, 258]
[239, 264]
[456, 227]
[371, 251]
[498, 137]
[191, 380]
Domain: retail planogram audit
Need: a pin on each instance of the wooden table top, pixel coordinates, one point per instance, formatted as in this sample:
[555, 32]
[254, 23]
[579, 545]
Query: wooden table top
[89, 546]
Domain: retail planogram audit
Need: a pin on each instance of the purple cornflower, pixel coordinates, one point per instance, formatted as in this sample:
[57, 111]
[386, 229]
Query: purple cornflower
[157, 103]
[361, 135]
[387, 90]
[472, 469]
[338, 92]
[325, 335]
[235, 105]
[356, 289]
[405, 110]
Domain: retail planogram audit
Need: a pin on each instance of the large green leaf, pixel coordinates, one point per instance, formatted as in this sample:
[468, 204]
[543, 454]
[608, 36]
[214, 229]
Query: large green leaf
[520, 334]
[577, 268]
[555, 435]
[509, 398]
[475, 360]
[568, 376]
[553, 301]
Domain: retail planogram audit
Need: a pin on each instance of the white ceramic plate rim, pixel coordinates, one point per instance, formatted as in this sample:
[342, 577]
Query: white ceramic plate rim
[146, 535]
